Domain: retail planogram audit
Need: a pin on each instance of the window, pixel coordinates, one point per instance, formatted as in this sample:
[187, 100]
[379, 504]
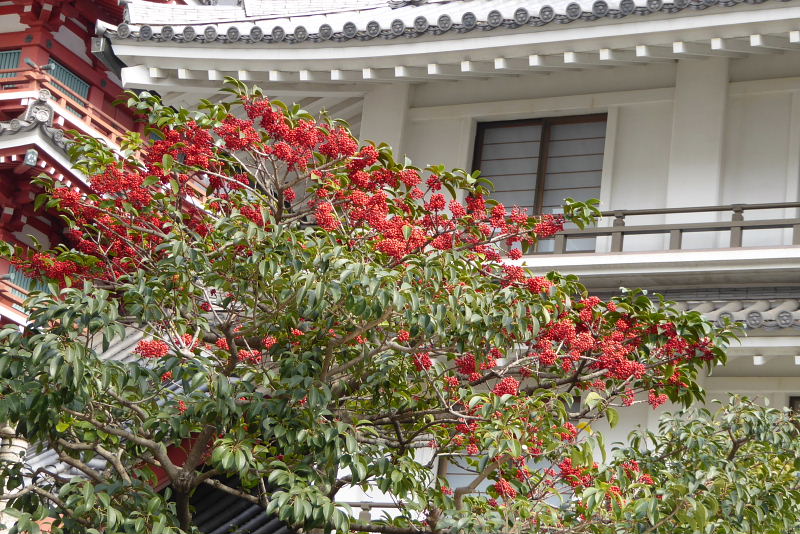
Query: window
[537, 163]
[9, 59]
[71, 83]
[794, 404]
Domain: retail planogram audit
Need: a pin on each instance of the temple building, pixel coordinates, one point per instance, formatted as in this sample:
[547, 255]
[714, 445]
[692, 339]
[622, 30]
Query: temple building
[682, 117]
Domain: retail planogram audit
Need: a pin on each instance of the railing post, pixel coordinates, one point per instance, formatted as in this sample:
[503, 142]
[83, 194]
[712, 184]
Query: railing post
[559, 244]
[736, 231]
[675, 239]
[617, 236]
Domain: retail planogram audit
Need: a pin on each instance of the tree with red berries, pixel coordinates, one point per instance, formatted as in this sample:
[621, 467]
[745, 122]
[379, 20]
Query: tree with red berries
[315, 316]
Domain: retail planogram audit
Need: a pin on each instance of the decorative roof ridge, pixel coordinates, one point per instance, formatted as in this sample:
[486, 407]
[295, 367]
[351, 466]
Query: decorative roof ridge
[39, 114]
[252, 33]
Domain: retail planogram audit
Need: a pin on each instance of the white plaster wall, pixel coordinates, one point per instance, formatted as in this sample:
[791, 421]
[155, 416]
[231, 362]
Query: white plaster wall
[10, 23]
[445, 142]
[68, 38]
[756, 154]
[640, 166]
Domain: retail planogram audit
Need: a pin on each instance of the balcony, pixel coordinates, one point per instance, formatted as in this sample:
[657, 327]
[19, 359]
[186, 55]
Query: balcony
[734, 245]
[14, 289]
[72, 110]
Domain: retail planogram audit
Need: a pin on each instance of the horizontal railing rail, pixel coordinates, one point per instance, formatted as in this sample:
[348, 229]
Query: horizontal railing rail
[736, 225]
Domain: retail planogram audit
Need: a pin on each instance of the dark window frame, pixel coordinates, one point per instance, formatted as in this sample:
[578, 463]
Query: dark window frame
[546, 124]
[794, 403]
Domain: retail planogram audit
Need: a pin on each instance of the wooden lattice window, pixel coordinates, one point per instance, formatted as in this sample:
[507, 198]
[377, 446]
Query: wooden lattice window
[537, 163]
[9, 59]
[70, 82]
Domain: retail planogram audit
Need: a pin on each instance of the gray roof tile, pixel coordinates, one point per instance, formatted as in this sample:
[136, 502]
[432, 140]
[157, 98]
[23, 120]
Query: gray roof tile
[370, 19]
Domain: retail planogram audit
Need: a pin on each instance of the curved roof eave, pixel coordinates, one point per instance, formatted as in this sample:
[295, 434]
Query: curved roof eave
[378, 22]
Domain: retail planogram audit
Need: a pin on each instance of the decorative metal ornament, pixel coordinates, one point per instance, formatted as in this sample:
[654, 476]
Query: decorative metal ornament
[494, 18]
[41, 113]
[547, 14]
[123, 31]
[444, 22]
[325, 32]
[350, 30]
[722, 316]
[210, 33]
[680, 4]
[420, 24]
[44, 95]
[145, 32]
[600, 8]
[574, 11]
[373, 29]
[785, 319]
[189, 33]
[626, 7]
[278, 34]
[233, 34]
[710, 2]
[398, 27]
[521, 16]
[469, 20]
[754, 319]
[58, 136]
[167, 33]
[256, 33]
[300, 34]
[31, 157]
[655, 5]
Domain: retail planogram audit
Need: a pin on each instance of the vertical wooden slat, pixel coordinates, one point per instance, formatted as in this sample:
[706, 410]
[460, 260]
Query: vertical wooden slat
[74, 84]
[675, 239]
[9, 59]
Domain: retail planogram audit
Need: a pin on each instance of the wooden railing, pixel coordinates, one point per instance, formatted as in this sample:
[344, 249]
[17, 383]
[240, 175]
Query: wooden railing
[80, 109]
[736, 225]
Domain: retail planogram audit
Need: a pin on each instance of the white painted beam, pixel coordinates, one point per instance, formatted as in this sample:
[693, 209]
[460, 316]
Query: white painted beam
[373, 74]
[774, 42]
[410, 73]
[608, 56]
[699, 50]
[441, 70]
[538, 61]
[187, 74]
[583, 59]
[517, 64]
[657, 52]
[245, 75]
[215, 75]
[313, 76]
[282, 76]
[155, 72]
[734, 45]
[481, 68]
[338, 75]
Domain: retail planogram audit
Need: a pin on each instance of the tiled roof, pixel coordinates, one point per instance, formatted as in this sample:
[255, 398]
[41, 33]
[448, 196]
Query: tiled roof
[761, 313]
[325, 21]
[222, 513]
